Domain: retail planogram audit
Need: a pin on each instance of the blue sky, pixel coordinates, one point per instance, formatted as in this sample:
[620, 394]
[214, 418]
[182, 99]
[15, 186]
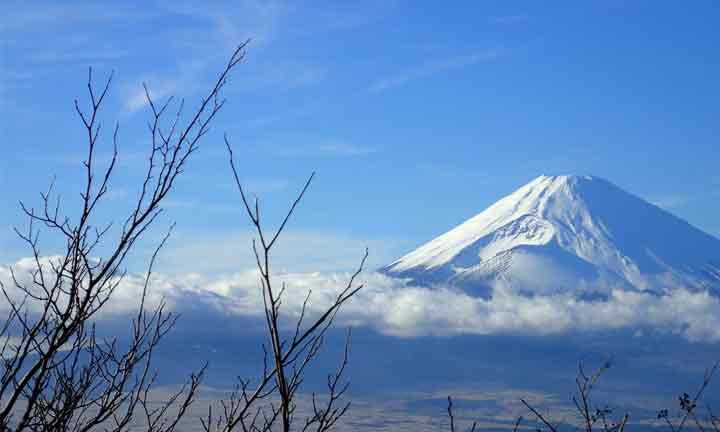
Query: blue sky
[414, 116]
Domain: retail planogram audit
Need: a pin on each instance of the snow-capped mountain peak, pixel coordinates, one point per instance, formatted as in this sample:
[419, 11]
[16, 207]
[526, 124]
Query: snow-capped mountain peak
[565, 233]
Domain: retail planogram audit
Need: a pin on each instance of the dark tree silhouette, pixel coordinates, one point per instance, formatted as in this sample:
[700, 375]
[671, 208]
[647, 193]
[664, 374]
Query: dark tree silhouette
[56, 373]
[595, 417]
[270, 402]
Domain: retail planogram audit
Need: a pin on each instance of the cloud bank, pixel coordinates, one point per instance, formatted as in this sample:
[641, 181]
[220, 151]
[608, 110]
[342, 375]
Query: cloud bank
[394, 307]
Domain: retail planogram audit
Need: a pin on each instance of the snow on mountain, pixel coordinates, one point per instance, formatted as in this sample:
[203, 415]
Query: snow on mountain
[568, 233]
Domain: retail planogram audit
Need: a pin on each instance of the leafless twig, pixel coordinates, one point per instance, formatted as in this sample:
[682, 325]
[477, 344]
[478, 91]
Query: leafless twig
[57, 374]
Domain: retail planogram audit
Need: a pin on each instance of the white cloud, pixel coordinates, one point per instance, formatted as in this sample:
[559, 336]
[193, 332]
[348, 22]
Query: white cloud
[138, 99]
[394, 307]
[160, 89]
[125, 298]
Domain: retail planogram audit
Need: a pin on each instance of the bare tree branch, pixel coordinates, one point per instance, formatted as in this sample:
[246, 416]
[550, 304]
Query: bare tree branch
[290, 354]
[57, 374]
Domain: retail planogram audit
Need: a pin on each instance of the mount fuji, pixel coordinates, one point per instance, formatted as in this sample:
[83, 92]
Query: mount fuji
[580, 236]
[567, 233]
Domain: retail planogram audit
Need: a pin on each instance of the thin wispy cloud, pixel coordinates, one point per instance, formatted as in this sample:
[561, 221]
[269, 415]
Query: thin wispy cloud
[18, 16]
[189, 77]
[48, 36]
[285, 75]
[433, 68]
[160, 87]
[261, 20]
[77, 55]
[138, 99]
[330, 148]
[220, 30]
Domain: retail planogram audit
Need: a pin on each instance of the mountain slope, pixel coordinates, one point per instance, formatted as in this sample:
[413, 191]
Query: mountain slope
[560, 233]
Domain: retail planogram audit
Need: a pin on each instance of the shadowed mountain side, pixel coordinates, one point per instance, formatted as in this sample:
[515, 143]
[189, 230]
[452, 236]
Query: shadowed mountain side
[390, 365]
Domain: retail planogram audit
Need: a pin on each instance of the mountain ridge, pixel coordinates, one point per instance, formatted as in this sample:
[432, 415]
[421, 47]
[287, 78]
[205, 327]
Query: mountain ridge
[578, 232]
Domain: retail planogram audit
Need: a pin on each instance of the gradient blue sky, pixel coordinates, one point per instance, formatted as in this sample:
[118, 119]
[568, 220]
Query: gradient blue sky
[416, 116]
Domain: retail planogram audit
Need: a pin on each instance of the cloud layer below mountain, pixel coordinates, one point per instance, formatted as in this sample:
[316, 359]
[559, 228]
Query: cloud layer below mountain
[394, 307]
